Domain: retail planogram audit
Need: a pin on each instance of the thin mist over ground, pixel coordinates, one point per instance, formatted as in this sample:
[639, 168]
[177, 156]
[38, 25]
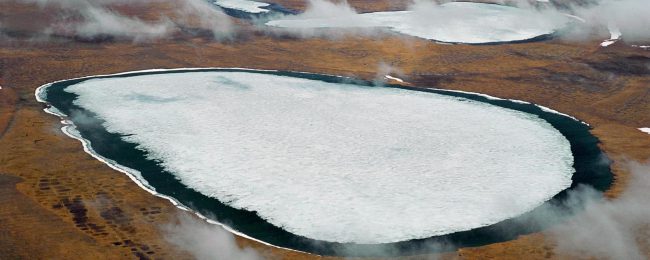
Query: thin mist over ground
[90, 19]
[614, 229]
[206, 241]
[630, 17]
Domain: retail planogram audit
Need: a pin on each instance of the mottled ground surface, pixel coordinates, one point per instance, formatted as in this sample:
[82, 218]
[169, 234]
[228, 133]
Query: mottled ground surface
[59, 202]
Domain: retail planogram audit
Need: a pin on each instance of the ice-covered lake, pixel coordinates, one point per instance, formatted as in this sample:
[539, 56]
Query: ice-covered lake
[333, 161]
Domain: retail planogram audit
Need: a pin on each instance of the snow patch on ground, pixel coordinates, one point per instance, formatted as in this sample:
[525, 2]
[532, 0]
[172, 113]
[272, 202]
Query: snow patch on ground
[394, 78]
[645, 130]
[615, 35]
[642, 47]
[338, 162]
[457, 22]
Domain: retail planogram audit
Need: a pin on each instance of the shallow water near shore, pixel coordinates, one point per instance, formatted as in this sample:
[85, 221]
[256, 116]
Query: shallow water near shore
[588, 164]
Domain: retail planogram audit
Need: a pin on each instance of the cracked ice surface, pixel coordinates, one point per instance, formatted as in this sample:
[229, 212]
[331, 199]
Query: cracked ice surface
[338, 162]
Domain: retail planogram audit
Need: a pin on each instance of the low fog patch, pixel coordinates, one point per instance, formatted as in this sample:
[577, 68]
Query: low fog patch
[608, 228]
[205, 241]
[98, 20]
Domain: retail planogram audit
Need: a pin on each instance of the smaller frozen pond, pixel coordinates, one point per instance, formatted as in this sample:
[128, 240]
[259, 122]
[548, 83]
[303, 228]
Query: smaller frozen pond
[457, 22]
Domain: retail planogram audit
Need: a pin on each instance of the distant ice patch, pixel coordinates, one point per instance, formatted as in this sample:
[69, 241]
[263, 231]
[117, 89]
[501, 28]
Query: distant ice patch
[456, 22]
[645, 130]
[338, 162]
[253, 7]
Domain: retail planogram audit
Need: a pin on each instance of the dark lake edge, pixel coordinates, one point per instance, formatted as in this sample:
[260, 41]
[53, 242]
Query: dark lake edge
[591, 165]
